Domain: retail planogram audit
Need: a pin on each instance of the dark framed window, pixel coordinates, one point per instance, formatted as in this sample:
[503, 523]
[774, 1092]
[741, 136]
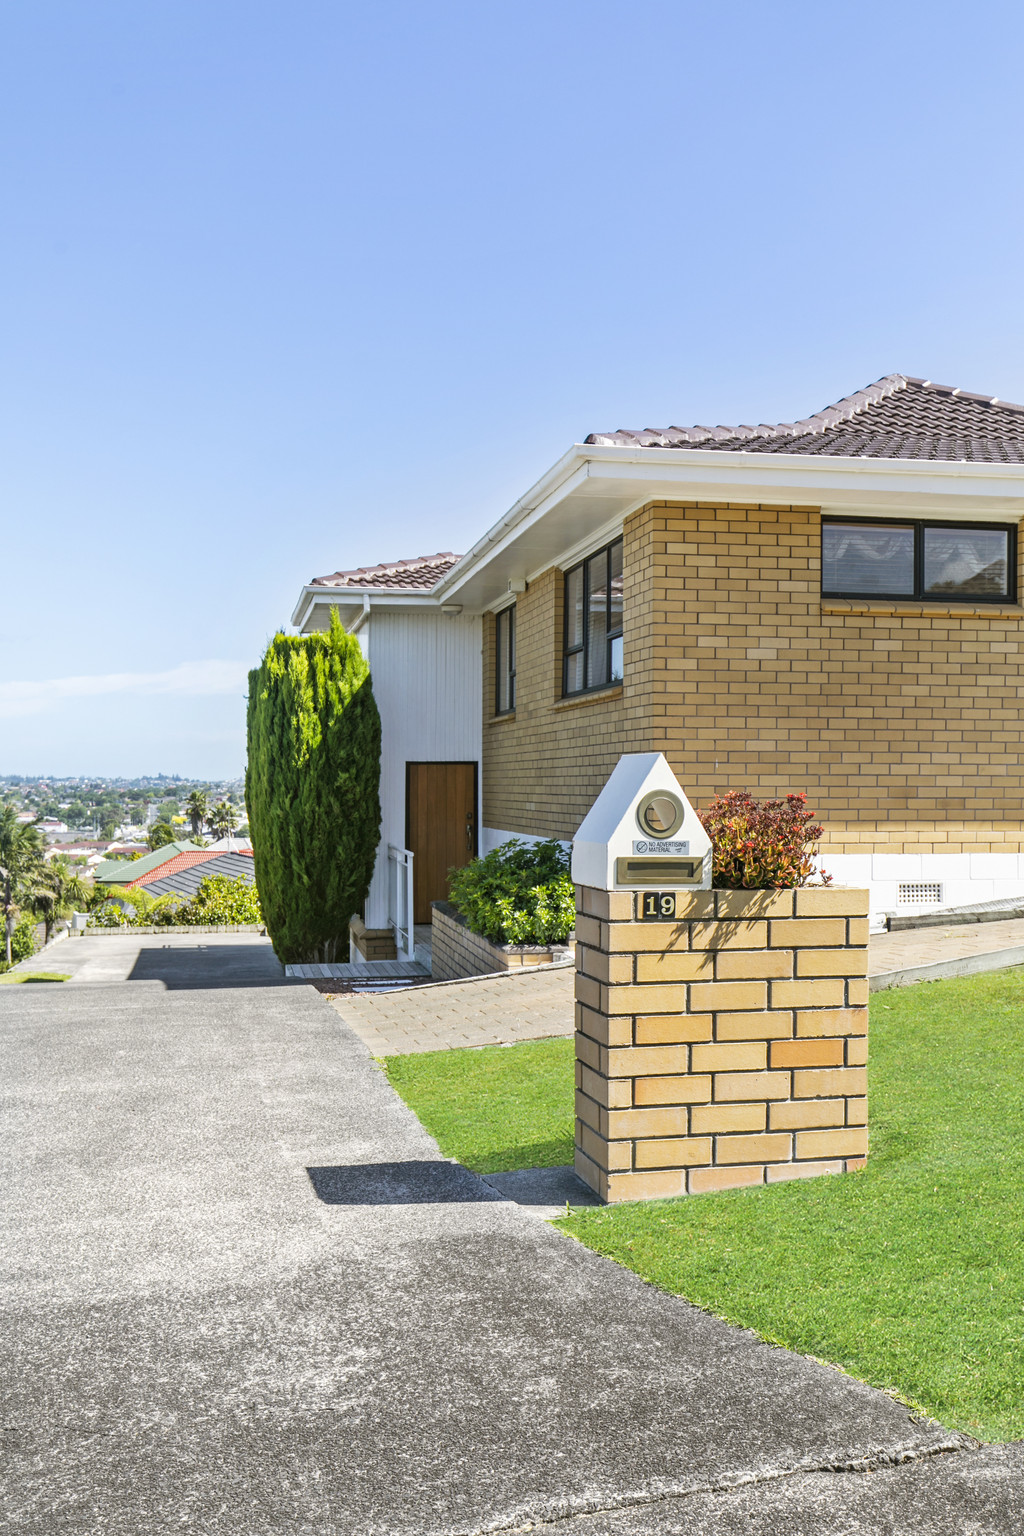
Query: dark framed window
[933, 562]
[505, 661]
[593, 622]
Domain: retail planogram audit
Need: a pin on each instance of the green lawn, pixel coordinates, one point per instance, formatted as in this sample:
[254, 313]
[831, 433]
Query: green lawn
[494, 1109]
[910, 1275]
[11, 977]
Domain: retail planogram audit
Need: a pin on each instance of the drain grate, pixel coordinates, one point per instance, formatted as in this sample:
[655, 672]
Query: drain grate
[914, 894]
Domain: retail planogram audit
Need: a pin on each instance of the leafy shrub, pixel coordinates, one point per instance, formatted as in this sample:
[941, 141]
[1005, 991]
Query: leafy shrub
[23, 942]
[221, 899]
[110, 915]
[761, 845]
[115, 906]
[519, 893]
[164, 911]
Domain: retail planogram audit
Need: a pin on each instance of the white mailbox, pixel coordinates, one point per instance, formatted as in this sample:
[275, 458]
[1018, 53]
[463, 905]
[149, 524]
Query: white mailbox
[642, 832]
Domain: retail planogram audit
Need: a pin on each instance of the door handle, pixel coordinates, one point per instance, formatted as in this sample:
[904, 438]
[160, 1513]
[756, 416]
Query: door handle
[469, 832]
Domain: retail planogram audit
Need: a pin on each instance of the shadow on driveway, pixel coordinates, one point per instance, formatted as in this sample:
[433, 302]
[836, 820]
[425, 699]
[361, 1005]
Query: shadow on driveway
[410, 1183]
[211, 965]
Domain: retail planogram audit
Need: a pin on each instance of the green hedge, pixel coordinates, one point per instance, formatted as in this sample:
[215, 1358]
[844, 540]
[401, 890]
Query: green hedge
[519, 893]
[312, 790]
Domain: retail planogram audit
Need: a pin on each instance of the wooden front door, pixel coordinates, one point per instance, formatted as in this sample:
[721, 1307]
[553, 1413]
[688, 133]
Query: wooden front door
[440, 801]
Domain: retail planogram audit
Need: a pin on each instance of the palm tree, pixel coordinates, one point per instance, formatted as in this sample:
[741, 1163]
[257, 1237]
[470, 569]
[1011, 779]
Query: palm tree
[20, 854]
[197, 809]
[57, 890]
[224, 818]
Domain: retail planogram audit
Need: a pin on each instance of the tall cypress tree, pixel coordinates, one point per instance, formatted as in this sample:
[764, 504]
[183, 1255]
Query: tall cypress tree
[312, 790]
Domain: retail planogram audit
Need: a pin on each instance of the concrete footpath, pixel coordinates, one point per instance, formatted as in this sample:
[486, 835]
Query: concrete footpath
[243, 1295]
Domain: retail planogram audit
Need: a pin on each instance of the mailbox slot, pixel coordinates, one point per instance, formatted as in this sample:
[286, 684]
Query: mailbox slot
[637, 872]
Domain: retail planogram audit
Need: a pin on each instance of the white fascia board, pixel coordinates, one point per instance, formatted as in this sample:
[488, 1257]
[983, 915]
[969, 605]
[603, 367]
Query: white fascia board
[807, 480]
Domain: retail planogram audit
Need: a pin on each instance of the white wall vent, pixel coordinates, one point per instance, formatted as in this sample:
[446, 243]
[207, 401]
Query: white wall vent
[920, 894]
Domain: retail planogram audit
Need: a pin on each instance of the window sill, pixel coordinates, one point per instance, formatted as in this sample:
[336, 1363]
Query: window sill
[915, 607]
[506, 714]
[592, 696]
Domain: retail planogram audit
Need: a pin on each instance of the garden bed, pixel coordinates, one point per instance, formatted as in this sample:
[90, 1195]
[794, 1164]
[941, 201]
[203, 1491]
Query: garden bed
[909, 1275]
[456, 952]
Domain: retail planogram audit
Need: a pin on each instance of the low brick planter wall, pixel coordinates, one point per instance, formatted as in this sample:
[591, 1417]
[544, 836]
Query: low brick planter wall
[727, 1047]
[456, 952]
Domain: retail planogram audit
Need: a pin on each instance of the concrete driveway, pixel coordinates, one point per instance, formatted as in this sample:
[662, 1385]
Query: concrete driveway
[243, 1295]
[173, 960]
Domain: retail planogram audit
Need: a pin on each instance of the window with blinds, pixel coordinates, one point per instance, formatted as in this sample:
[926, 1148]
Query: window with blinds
[936, 562]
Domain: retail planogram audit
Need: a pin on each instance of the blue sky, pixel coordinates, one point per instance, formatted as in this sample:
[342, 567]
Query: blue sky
[292, 287]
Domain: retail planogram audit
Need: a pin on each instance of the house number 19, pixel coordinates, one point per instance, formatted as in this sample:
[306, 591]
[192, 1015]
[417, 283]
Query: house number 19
[656, 906]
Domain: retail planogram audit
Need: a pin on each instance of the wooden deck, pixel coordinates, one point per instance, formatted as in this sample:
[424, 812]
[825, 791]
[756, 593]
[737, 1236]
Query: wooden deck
[376, 970]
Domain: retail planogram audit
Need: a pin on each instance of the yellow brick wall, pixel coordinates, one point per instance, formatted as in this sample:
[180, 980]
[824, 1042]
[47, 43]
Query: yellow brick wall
[901, 721]
[545, 764]
[748, 1067]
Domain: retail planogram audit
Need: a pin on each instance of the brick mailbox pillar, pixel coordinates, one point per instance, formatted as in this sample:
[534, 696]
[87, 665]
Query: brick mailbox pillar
[721, 1035]
[724, 1048]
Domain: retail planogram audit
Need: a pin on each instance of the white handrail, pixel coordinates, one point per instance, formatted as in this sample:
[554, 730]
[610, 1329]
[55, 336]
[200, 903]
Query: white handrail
[400, 900]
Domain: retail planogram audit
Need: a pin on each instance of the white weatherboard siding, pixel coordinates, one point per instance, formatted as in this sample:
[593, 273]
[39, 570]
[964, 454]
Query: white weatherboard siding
[427, 680]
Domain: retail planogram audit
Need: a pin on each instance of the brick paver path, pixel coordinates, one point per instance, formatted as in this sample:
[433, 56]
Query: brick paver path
[487, 1010]
[499, 1010]
[929, 946]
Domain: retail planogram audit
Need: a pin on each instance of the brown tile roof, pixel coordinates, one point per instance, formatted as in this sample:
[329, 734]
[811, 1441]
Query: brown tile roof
[897, 418]
[417, 575]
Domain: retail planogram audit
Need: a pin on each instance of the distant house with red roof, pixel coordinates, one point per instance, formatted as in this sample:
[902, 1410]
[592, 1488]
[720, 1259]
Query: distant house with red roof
[183, 875]
[177, 869]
